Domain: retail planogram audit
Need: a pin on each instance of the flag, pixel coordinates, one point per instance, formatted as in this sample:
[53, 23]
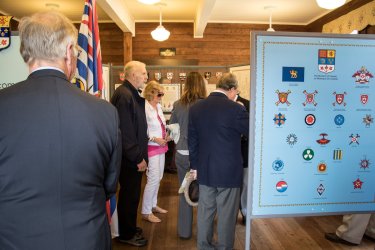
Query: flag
[89, 76]
[112, 216]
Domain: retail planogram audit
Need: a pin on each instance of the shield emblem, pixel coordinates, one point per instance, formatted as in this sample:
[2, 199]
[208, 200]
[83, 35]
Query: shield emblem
[339, 98]
[310, 98]
[364, 99]
[4, 32]
[283, 97]
[169, 75]
[207, 75]
[157, 76]
[182, 76]
[219, 74]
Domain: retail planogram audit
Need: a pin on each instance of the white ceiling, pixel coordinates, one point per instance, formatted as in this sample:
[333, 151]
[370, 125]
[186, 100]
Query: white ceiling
[126, 12]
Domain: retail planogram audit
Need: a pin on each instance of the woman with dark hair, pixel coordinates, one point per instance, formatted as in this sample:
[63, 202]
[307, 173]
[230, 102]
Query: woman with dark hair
[194, 90]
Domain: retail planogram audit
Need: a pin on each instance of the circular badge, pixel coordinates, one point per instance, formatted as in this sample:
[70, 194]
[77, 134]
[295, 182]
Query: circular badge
[322, 167]
[339, 120]
[310, 119]
[308, 154]
[281, 186]
[278, 165]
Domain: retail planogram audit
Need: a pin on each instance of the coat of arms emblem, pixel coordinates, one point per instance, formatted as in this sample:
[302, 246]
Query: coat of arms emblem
[5, 32]
[364, 99]
[326, 60]
[362, 76]
[283, 97]
[310, 98]
[169, 75]
[339, 98]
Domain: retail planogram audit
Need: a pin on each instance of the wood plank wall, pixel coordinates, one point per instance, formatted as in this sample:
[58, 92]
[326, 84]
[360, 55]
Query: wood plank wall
[222, 44]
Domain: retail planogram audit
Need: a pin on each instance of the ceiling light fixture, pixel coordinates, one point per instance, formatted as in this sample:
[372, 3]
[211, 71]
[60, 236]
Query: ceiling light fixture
[149, 1]
[160, 33]
[52, 6]
[330, 4]
[270, 9]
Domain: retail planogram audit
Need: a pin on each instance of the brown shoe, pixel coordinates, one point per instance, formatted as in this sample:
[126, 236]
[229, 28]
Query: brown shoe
[151, 218]
[159, 210]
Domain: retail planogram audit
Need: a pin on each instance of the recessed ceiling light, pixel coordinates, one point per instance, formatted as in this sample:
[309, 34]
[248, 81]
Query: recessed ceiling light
[52, 6]
[149, 1]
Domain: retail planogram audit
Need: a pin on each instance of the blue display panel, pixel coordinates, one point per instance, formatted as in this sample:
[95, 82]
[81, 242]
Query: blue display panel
[313, 101]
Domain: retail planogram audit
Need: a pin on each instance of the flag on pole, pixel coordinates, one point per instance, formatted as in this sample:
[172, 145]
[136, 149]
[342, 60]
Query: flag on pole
[89, 76]
[112, 216]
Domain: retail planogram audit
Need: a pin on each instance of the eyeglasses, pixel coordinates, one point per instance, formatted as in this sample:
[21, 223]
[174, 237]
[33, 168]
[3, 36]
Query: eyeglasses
[160, 94]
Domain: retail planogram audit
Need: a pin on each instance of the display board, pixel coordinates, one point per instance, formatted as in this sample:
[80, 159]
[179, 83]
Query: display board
[13, 69]
[312, 119]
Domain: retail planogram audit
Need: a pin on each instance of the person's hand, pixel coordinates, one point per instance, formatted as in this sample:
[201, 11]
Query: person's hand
[193, 174]
[142, 166]
[160, 141]
[168, 138]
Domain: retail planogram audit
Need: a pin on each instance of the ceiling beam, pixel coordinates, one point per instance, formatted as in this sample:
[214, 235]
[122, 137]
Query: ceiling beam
[119, 13]
[204, 10]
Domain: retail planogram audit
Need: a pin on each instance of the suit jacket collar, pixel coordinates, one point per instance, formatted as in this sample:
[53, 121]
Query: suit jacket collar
[47, 72]
[218, 94]
[129, 86]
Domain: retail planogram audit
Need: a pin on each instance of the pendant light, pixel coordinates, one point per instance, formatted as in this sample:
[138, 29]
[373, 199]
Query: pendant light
[330, 4]
[270, 8]
[160, 33]
[149, 1]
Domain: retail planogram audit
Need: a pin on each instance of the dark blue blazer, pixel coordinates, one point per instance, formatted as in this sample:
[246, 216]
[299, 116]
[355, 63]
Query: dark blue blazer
[214, 137]
[60, 153]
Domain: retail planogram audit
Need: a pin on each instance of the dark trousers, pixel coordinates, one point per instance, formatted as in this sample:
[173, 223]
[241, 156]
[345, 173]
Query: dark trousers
[129, 196]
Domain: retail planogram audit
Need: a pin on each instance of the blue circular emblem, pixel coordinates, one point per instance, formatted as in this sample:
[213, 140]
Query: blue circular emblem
[339, 120]
[278, 165]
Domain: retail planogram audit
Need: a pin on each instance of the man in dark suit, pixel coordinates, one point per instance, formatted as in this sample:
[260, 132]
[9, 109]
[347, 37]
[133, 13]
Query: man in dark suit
[60, 148]
[214, 137]
[133, 125]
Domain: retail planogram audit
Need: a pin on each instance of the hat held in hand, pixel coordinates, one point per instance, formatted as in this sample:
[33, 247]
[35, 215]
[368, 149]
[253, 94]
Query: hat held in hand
[191, 192]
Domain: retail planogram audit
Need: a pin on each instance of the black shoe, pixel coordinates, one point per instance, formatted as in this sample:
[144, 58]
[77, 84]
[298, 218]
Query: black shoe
[138, 230]
[184, 238]
[137, 241]
[243, 220]
[365, 236]
[334, 238]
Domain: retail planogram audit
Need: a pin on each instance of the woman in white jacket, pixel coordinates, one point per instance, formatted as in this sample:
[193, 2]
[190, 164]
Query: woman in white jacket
[157, 146]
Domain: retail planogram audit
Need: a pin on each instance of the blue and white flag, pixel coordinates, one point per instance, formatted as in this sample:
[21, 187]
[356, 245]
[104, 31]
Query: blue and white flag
[89, 76]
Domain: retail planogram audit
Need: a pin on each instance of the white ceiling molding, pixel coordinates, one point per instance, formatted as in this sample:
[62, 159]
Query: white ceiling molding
[204, 10]
[119, 13]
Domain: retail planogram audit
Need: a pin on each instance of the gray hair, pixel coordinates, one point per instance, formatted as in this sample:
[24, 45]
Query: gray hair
[227, 81]
[45, 36]
[131, 66]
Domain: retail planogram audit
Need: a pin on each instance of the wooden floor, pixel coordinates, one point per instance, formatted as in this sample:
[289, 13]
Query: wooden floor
[298, 233]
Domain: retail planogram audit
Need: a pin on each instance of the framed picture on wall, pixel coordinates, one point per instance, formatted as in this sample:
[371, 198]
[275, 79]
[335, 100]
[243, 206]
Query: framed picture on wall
[171, 94]
[167, 51]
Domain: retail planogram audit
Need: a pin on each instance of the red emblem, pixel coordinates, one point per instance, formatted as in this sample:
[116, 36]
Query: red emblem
[339, 99]
[322, 167]
[362, 76]
[357, 184]
[364, 99]
[310, 98]
[283, 97]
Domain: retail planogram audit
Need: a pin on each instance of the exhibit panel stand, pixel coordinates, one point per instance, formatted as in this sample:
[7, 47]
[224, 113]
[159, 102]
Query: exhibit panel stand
[312, 125]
